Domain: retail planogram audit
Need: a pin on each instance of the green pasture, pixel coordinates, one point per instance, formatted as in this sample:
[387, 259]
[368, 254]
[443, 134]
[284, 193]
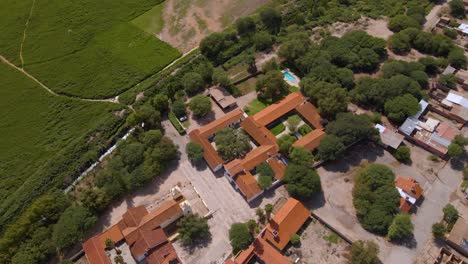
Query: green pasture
[43, 136]
[84, 48]
[152, 22]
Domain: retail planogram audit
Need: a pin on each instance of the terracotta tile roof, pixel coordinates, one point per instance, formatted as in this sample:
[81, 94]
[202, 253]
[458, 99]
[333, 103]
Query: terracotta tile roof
[410, 186]
[447, 132]
[218, 124]
[209, 153]
[134, 215]
[285, 223]
[163, 254]
[279, 109]
[247, 184]
[252, 159]
[309, 112]
[142, 241]
[113, 233]
[310, 141]
[95, 252]
[262, 250]
[166, 211]
[259, 133]
[278, 167]
[405, 206]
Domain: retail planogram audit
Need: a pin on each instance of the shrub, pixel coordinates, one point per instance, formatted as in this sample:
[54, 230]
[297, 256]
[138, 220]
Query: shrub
[304, 130]
[176, 123]
[192, 228]
[450, 214]
[194, 152]
[364, 252]
[403, 154]
[295, 240]
[200, 105]
[285, 143]
[438, 230]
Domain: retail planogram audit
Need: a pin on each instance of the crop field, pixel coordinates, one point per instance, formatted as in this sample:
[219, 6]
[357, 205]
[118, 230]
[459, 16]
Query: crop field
[82, 48]
[44, 138]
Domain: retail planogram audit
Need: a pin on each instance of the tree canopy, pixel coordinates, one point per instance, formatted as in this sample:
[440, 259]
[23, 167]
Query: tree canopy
[192, 82]
[192, 228]
[272, 19]
[266, 175]
[285, 143]
[400, 22]
[72, 226]
[364, 252]
[401, 227]
[403, 154]
[232, 143]
[194, 152]
[400, 107]
[331, 148]
[375, 198]
[352, 128]
[245, 26]
[271, 85]
[301, 156]
[457, 8]
[200, 105]
[301, 181]
[179, 108]
[240, 237]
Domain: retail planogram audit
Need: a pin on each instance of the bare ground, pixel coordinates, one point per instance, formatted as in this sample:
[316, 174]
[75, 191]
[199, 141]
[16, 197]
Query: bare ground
[374, 27]
[186, 23]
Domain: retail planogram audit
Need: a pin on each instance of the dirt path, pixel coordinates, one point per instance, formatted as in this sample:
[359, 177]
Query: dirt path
[24, 32]
[9, 63]
[433, 16]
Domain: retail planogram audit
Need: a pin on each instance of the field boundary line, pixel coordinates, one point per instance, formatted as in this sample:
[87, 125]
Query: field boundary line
[9, 63]
[24, 33]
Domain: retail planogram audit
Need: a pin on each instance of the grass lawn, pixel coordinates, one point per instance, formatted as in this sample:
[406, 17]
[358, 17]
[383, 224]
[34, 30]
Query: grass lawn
[277, 129]
[45, 139]
[294, 89]
[152, 21]
[83, 48]
[332, 238]
[255, 106]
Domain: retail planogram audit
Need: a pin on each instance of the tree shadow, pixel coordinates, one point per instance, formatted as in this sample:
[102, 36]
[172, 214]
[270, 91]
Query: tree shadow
[197, 244]
[459, 163]
[409, 242]
[316, 201]
[206, 119]
[354, 156]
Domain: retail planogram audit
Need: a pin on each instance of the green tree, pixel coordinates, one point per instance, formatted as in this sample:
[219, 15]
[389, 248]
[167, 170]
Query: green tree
[301, 156]
[271, 85]
[293, 122]
[331, 148]
[400, 22]
[438, 230]
[109, 243]
[160, 102]
[457, 58]
[301, 181]
[245, 26]
[205, 69]
[251, 225]
[454, 150]
[260, 214]
[240, 237]
[403, 154]
[94, 199]
[220, 77]
[192, 82]
[352, 128]
[200, 105]
[364, 252]
[295, 240]
[179, 108]
[72, 226]
[268, 210]
[147, 115]
[375, 198]
[399, 108]
[450, 214]
[262, 41]
[271, 18]
[131, 154]
[192, 229]
[401, 227]
[232, 143]
[448, 80]
[285, 143]
[295, 47]
[430, 64]
[266, 175]
[194, 152]
[457, 8]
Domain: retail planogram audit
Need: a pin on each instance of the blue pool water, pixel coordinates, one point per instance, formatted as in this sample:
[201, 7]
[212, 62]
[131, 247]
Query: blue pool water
[289, 77]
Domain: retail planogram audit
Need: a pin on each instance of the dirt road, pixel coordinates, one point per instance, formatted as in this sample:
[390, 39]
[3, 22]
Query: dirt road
[433, 16]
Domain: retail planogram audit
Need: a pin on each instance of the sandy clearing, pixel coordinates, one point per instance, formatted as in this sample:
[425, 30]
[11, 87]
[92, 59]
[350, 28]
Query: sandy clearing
[187, 23]
[374, 27]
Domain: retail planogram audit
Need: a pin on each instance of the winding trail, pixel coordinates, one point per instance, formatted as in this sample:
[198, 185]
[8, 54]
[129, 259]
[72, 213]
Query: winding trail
[24, 33]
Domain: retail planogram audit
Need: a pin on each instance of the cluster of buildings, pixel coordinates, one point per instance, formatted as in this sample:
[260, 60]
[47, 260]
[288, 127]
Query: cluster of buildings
[141, 233]
[274, 238]
[429, 132]
[241, 170]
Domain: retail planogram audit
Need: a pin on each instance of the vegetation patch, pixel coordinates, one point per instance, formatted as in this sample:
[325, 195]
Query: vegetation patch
[277, 129]
[175, 122]
[152, 21]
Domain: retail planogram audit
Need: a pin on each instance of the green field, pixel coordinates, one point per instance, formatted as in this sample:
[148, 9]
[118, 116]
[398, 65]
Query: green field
[152, 21]
[45, 139]
[83, 48]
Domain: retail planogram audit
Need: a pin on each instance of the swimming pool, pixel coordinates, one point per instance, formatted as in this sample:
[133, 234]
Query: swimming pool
[289, 77]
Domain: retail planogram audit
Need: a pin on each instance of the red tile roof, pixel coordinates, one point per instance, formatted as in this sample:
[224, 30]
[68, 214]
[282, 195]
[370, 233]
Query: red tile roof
[221, 123]
[141, 241]
[279, 109]
[262, 250]
[285, 223]
[163, 254]
[310, 141]
[310, 113]
[209, 153]
[95, 252]
[278, 167]
[447, 132]
[247, 184]
[259, 133]
[113, 233]
[410, 186]
[405, 206]
[134, 215]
